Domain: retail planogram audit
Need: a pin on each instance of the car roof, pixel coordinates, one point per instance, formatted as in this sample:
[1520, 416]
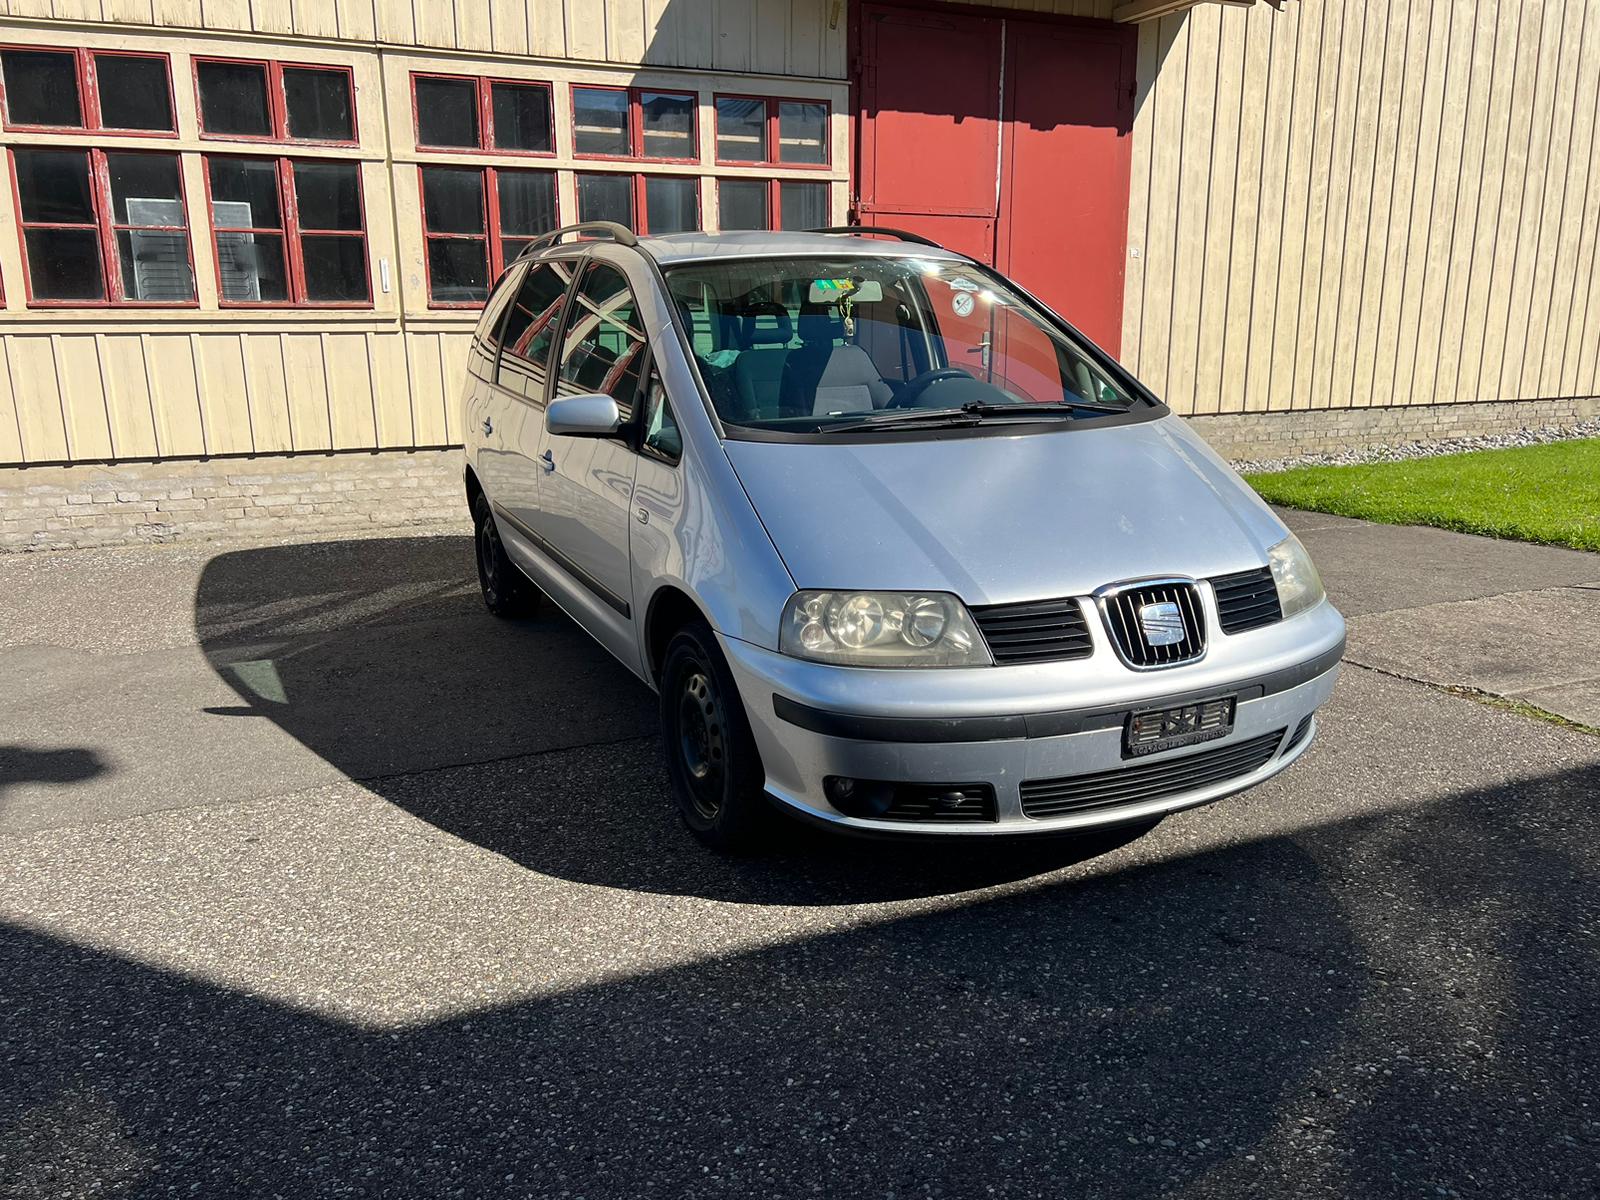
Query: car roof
[671, 249]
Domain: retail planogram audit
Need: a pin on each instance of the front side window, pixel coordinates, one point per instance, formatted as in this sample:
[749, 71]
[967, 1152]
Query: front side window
[271, 101]
[660, 436]
[476, 222]
[289, 231]
[633, 123]
[105, 90]
[602, 350]
[530, 329]
[459, 112]
[103, 227]
[890, 339]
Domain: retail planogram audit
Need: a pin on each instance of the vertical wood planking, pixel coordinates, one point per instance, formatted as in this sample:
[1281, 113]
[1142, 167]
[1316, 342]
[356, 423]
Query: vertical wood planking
[307, 380]
[474, 26]
[454, 348]
[1139, 197]
[174, 394]
[133, 429]
[349, 376]
[273, 16]
[509, 19]
[1160, 236]
[226, 14]
[396, 22]
[1242, 210]
[1329, 339]
[1574, 349]
[179, 14]
[1222, 190]
[733, 34]
[391, 389]
[585, 23]
[40, 422]
[435, 24]
[83, 396]
[625, 33]
[224, 404]
[1194, 194]
[1330, 74]
[317, 18]
[1569, 245]
[427, 388]
[11, 452]
[267, 387]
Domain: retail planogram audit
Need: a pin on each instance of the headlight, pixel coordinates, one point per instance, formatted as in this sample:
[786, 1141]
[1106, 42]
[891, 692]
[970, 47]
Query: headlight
[882, 629]
[1299, 585]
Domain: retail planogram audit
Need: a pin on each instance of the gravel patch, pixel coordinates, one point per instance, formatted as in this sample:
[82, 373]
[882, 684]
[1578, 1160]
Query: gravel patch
[1432, 449]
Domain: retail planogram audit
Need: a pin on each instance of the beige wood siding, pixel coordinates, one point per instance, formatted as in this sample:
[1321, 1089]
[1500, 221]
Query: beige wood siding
[784, 37]
[1356, 204]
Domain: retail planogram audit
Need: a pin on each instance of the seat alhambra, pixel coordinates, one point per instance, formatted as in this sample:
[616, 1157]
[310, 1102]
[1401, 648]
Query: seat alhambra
[900, 550]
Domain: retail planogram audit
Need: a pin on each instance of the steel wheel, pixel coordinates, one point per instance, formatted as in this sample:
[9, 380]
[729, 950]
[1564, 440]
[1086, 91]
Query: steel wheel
[700, 741]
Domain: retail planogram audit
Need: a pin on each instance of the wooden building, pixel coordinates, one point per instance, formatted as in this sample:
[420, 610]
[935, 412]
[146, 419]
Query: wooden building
[261, 227]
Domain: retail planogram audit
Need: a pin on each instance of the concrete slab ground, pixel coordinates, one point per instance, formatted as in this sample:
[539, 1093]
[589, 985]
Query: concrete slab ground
[315, 880]
[1516, 621]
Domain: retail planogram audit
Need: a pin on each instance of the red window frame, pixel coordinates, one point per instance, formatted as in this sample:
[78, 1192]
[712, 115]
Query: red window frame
[106, 229]
[277, 105]
[773, 158]
[774, 195]
[291, 232]
[492, 234]
[484, 93]
[635, 123]
[93, 120]
[641, 208]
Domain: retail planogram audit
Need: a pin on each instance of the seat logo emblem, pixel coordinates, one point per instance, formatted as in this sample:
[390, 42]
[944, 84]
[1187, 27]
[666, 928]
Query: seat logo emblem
[1162, 623]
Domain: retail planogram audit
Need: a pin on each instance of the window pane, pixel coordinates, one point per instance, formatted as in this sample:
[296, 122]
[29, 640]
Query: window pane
[233, 99]
[672, 205]
[336, 269]
[805, 205]
[53, 186]
[453, 200]
[329, 195]
[600, 121]
[606, 198]
[527, 203]
[155, 266]
[668, 124]
[64, 264]
[145, 189]
[252, 267]
[603, 348]
[530, 328]
[317, 105]
[447, 112]
[135, 93]
[660, 428]
[458, 270]
[742, 204]
[521, 117]
[802, 132]
[244, 194]
[741, 130]
[41, 88]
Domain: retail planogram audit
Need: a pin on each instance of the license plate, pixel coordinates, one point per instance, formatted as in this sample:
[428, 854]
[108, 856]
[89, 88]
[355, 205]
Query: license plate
[1158, 729]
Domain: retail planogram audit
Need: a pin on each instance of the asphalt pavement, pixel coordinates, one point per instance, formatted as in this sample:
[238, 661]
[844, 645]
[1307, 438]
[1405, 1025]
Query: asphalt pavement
[317, 881]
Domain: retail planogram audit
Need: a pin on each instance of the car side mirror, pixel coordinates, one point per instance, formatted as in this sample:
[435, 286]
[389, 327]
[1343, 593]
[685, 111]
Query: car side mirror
[583, 416]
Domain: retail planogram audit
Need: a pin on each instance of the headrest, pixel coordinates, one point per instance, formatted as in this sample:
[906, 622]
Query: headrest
[818, 324]
[765, 324]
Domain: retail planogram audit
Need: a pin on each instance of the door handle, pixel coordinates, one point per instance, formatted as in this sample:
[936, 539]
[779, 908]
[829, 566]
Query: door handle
[488, 425]
[549, 460]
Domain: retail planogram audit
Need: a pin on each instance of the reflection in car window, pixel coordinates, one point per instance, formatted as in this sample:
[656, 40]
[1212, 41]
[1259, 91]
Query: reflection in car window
[603, 348]
[661, 434]
[799, 343]
[531, 327]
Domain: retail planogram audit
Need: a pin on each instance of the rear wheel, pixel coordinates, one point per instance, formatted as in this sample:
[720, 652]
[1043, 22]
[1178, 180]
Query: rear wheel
[506, 591]
[717, 779]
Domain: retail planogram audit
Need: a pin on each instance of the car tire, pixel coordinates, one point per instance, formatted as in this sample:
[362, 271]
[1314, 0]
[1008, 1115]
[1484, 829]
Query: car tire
[717, 777]
[507, 592]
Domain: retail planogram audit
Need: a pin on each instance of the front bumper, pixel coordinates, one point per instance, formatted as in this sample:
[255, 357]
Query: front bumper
[1007, 726]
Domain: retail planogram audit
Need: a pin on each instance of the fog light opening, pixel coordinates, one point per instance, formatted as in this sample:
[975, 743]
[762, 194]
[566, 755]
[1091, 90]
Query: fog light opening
[858, 797]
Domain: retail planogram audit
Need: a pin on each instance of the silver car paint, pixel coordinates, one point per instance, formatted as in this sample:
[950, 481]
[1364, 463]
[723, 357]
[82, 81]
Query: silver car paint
[737, 526]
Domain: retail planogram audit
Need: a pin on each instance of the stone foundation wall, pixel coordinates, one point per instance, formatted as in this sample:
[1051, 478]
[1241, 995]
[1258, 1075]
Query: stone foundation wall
[55, 508]
[1285, 434]
[314, 495]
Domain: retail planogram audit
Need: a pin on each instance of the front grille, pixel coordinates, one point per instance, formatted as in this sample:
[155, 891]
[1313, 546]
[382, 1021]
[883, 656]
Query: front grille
[1247, 600]
[1038, 631]
[1300, 732]
[1130, 630]
[938, 804]
[1149, 780]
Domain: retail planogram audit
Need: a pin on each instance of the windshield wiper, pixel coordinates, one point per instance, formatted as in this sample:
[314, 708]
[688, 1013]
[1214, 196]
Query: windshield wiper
[1029, 407]
[972, 413]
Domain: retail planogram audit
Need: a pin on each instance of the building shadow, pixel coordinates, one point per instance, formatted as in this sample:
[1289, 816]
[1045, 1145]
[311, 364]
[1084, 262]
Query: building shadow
[1253, 1020]
[377, 656]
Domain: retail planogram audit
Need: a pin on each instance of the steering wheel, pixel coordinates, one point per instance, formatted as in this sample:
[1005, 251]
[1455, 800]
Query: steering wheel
[915, 388]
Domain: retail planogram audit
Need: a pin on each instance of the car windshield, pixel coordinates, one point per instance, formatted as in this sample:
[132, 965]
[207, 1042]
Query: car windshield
[809, 344]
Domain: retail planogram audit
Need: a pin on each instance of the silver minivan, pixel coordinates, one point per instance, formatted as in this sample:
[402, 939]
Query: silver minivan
[900, 550]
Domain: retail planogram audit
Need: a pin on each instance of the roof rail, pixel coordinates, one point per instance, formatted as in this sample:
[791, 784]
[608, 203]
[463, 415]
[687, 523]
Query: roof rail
[884, 230]
[620, 234]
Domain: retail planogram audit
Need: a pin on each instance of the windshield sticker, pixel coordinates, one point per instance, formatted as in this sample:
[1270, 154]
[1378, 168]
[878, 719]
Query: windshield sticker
[961, 284]
[961, 304]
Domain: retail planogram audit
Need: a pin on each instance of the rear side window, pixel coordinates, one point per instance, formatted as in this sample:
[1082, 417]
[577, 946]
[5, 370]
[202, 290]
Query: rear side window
[531, 327]
[486, 338]
[603, 349]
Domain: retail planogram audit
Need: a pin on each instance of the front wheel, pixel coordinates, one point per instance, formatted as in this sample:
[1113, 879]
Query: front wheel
[717, 778]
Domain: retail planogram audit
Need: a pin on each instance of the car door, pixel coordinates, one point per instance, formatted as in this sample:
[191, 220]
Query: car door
[485, 410]
[517, 409]
[586, 501]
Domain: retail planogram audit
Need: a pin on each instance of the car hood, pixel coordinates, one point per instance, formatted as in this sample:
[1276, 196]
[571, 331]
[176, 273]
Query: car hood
[998, 519]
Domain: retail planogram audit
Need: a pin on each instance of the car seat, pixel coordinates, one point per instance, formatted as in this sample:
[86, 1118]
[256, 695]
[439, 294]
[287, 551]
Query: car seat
[823, 377]
[765, 331]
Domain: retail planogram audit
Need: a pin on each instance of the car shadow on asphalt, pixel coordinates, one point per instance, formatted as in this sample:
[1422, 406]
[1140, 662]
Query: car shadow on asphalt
[377, 655]
[1328, 1014]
